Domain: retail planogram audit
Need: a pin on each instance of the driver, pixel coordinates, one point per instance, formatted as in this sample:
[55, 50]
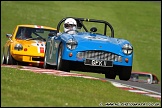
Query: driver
[70, 26]
[28, 33]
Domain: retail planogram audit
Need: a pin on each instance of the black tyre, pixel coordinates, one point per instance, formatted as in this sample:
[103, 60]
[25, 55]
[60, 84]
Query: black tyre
[62, 65]
[45, 65]
[125, 73]
[110, 75]
[10, 60]
[3, 60]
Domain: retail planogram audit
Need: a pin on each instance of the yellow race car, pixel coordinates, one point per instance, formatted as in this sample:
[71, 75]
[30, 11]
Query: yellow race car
[26, 45]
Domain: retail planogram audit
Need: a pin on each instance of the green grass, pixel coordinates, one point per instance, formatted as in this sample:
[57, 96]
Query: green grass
[138, 22]
[25, 88]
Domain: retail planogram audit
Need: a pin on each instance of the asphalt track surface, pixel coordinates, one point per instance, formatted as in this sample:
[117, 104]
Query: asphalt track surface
[152, 87]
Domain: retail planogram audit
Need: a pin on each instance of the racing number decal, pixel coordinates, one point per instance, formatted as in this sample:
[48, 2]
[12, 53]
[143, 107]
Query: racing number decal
[51, 48]
[96, 38]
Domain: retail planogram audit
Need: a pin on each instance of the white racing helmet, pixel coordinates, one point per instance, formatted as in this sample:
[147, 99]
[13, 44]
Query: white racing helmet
[70, 25]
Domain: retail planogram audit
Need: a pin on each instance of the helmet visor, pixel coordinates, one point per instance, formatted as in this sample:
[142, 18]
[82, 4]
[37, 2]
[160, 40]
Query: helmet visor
[69, 25]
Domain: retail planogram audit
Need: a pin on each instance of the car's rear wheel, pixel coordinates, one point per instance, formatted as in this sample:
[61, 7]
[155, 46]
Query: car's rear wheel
[125, 73]
[10, 60]
[62, 65]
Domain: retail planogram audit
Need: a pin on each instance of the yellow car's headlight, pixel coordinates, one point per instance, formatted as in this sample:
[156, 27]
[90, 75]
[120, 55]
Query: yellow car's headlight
[18, 47]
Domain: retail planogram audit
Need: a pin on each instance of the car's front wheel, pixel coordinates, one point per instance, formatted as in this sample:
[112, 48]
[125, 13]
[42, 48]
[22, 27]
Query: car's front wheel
[62, 65]
[125, 73]
[10, 60]
[3, 60]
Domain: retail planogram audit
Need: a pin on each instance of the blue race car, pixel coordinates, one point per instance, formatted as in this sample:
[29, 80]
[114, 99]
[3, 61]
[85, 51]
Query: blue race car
[90, 50]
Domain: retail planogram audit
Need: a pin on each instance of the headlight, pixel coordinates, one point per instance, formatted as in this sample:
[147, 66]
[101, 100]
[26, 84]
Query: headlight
[127, 49]
[18, 47]
[71, 44]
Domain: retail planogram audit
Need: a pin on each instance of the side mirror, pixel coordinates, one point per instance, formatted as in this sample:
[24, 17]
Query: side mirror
[8, 35]
[93, 29]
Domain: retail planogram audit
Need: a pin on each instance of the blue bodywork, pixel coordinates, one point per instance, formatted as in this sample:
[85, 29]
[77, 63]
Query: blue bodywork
[88, 41]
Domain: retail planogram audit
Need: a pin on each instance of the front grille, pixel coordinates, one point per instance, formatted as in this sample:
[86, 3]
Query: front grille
[100, 55]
